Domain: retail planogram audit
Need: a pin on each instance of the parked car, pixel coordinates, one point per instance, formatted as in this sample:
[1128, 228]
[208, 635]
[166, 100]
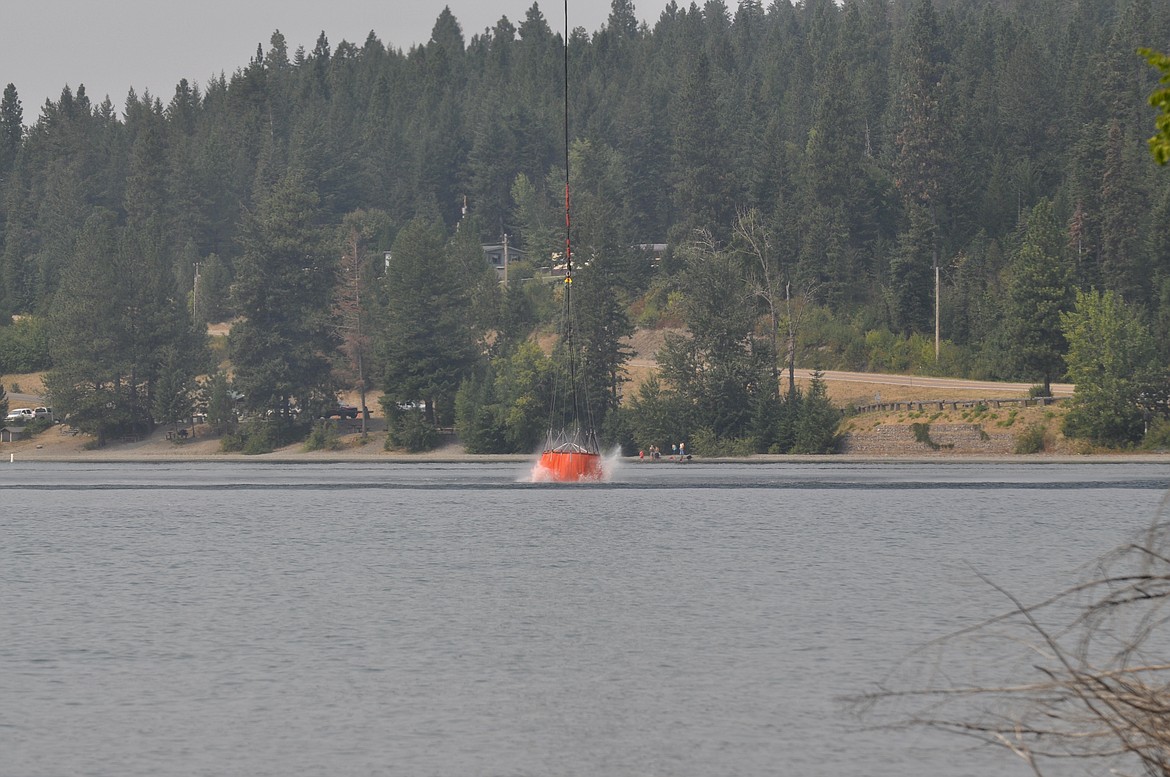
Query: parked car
[21, 414]
[43, 413]
[342, 411]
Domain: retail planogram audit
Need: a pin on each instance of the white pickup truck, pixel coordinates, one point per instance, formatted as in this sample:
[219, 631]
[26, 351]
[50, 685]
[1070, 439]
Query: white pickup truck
[27, 414]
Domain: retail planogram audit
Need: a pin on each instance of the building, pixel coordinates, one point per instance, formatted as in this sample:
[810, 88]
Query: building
[500, 255]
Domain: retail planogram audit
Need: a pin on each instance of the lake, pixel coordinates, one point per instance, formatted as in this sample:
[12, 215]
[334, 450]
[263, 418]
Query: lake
[456, 619]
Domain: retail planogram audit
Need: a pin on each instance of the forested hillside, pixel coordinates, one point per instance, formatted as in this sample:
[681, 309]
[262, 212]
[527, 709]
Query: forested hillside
[832, 154]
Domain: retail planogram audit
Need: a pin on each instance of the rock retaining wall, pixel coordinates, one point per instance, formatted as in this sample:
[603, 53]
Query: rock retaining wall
[900, 440]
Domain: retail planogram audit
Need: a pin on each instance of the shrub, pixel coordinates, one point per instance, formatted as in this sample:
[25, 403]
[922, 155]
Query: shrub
[323, 437]
[1034, 439]
[1158, 435]
[706, 442]
[260, 436]
[410, 431]
[922, 435]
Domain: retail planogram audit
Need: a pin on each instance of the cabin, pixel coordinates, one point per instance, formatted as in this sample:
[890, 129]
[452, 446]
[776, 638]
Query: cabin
[500, 255]
[653, 252]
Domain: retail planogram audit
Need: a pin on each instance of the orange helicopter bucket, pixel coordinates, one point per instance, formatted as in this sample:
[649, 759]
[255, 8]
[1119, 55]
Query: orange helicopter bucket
[570, 466]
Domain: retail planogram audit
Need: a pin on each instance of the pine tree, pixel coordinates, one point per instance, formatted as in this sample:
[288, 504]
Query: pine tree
[601, 328]
[111, 323]
[426, 343]
[1039, 291]
[285, 278]
[816, 425]
[910, 274]
[174, 395]
[920, 165]
[698, 168]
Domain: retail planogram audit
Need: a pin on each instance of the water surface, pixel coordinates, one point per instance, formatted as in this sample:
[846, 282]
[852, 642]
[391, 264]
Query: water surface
[455, 619]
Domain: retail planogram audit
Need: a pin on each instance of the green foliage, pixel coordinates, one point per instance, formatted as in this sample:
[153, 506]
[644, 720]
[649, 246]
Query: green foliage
[112, 325]
[1160, 99]
[1110, 356]
[174, 394]
[506, 409]
[215, 397]
[601, 327]
[912, 277]
[1157, 437]
[3, 402]
[1039, 290]
[658, 417]
[283, 289]
[426, 344]
[478, 420]
[410, 431]
[921, 432]
[705, 442]
[24, 346]
[721, 365]
[816, 425]
[1034, 439]
[261, 435]
[323, 437]
[873, 140]
[212, 293]
[922, 435]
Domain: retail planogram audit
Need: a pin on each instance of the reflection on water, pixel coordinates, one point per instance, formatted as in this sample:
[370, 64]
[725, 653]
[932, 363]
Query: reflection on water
[449, 619]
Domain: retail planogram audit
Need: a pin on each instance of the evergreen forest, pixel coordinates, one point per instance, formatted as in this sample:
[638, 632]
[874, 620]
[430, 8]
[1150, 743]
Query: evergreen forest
[951, 187]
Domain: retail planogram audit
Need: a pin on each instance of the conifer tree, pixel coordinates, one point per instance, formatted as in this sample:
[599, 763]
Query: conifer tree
[426, 343]
[1039, 291]
[113, 320]
[698, 167]
[285, 278]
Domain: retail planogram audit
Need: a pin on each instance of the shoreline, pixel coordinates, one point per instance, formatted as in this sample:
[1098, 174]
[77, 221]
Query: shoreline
[335, 457]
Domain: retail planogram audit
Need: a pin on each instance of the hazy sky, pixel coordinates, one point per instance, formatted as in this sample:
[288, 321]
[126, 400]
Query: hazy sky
[113, 45]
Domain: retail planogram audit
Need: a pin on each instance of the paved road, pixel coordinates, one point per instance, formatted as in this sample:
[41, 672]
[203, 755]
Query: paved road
[1058, 389]
[24, 400]
[917, 381]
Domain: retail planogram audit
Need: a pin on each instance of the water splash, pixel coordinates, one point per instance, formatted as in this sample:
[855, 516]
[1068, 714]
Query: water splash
[610, 465]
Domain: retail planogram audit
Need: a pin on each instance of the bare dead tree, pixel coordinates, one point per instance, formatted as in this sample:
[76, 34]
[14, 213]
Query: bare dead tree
[1092, 676]
[770, 280]
[349, 307]
[765, 274]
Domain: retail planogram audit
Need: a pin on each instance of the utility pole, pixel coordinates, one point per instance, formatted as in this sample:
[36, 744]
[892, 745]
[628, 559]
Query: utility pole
[195, 296]
[505, 260]
[937, 307]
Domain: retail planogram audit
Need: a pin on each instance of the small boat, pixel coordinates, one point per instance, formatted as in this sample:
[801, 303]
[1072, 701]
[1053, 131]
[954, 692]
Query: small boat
[571, 453]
